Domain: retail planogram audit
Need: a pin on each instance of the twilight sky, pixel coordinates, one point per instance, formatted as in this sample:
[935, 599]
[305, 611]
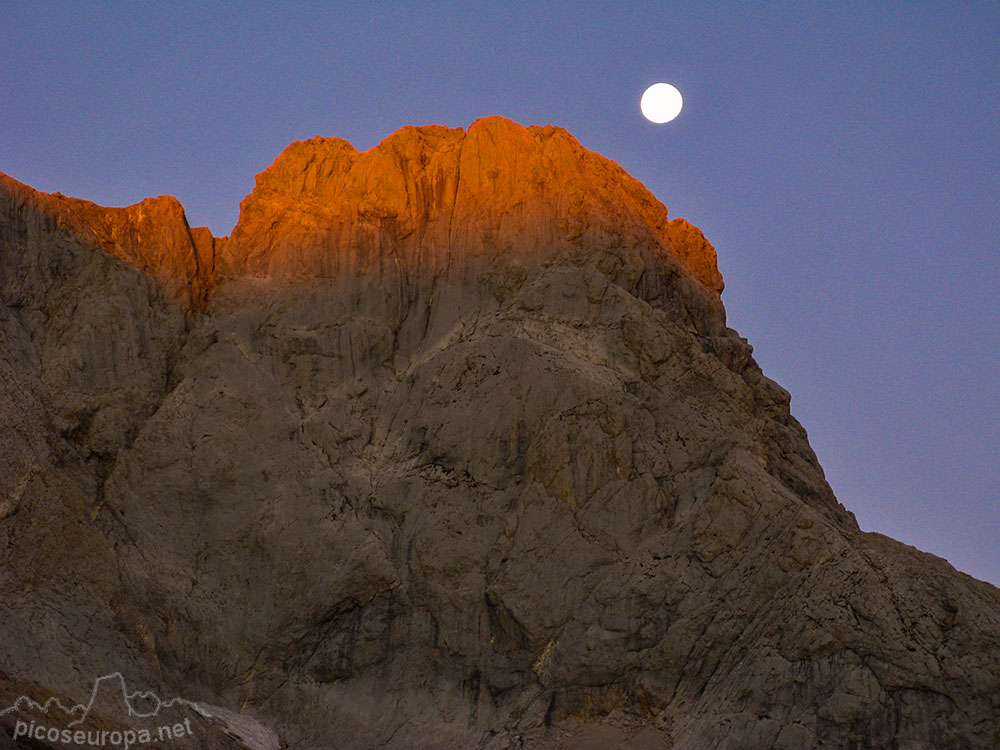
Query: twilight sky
[844, 158]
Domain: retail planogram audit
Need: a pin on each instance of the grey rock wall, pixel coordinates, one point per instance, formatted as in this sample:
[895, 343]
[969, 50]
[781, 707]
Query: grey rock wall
[545, 504]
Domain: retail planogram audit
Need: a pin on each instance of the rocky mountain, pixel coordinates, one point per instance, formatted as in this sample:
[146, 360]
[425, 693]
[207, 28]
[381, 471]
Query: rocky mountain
[447, 445]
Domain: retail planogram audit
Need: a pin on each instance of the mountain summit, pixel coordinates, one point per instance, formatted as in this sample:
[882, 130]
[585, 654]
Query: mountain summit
[425, 199]
[447, 445]
[431, 197]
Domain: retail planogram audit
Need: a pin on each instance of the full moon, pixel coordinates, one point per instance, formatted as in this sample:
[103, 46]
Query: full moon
[661, 103]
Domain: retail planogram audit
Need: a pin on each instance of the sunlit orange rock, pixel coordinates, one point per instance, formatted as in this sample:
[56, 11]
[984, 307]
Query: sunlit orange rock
[152, 235]
[425, 199]
[429, 198]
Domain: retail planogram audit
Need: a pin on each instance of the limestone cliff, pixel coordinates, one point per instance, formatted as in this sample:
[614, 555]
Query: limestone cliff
[152, 236]
[447, 446]
[432, 198]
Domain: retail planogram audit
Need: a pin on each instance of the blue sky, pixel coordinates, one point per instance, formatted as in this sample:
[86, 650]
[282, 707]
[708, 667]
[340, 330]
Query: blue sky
[844, 158]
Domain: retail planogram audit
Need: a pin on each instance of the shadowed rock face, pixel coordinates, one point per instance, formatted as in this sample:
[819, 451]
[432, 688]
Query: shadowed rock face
[449, 446]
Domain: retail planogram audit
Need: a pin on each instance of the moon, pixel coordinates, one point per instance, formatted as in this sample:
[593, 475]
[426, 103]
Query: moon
[661, 103]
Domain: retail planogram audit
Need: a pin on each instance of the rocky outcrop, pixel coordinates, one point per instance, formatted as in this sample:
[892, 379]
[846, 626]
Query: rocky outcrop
[452, 456]
[152, 236]
[432, 198]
